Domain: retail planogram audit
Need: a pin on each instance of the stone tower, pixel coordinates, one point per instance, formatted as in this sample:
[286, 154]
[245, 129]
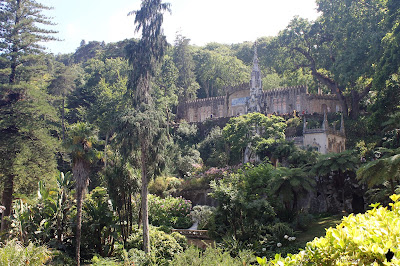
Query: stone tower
[256, 92]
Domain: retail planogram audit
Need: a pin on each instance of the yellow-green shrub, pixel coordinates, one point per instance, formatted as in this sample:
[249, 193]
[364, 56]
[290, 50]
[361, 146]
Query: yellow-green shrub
[372, 238]
[14, 253]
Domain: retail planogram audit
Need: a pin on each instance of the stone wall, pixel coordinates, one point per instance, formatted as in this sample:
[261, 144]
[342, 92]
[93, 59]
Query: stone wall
[277, 101]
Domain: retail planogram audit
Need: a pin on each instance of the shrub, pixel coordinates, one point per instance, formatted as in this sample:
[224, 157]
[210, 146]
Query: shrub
[14, 253]
[203, 215]
[163, 246]
[164, 186]
[362, 239]
[212, 256]
[99, 261]
[173, 212]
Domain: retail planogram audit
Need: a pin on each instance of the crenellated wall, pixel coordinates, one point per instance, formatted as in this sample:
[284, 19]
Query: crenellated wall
[276, 101]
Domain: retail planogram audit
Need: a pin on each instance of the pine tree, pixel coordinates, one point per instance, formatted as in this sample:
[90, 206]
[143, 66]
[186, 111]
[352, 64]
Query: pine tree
[24, 129]
[145, 121]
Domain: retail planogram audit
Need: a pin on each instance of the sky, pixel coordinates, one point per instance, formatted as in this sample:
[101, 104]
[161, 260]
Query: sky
[202, 21]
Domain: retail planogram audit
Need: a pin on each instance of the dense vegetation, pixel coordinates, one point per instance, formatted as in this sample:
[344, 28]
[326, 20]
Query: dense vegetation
[85, 137]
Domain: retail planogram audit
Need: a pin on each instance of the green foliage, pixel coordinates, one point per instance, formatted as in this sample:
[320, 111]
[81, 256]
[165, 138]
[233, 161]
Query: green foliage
[244, 209]
[183, 59]
[164, 186]
[123, 183]
[27, 146]
[213, 149]
[14, 253]
[289, 184]
[164, 246]
[217, 70]
[104, 261]
[170, 212]
[99, 223]
[23, 26]
[362, 239]
[338, 162]
[166, 90]
[203, 215]
[184, 153]
[256, 130]
[211, 256]
[385, 169]
[81, 141]
[47, 220]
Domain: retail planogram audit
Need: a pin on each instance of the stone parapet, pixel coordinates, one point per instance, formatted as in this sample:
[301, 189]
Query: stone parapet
[330, 131]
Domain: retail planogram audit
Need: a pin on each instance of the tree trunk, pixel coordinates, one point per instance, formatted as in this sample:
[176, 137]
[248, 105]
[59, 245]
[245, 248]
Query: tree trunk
[79, 196]
[63, 119]
[81, 174]
[105, 150]
[7, 200]
[355, 105]
[145, 211]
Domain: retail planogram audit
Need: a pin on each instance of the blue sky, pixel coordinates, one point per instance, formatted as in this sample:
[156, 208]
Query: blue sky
[203, 21]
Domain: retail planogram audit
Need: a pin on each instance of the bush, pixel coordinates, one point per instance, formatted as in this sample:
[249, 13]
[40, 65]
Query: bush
[362, 239]
[14, 253]
[173, 212]
[212, 256]
[163, 246]
[203, 215]
[164, 186]
[99, 261]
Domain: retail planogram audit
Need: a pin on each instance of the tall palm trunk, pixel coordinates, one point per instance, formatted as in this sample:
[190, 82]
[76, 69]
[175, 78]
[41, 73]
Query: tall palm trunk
[81, 173]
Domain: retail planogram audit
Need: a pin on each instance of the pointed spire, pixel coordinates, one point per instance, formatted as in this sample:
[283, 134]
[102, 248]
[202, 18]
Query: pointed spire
[255, 58]
[342, 123]
[255, 82]
[325, 124]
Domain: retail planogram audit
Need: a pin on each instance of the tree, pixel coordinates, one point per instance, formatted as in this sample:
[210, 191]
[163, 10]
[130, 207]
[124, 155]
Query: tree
[254, 130]
[183, 60]
[145, 122]
[143, 140]
[385, 169]
[82, 137]
[122, 183]
[20, 35]
[213, 149]
[389, 61]
[340, 49]
[166, 91]
[217, 71]
[61, 85]
[244, 210]
[341, 167]
[289, 184]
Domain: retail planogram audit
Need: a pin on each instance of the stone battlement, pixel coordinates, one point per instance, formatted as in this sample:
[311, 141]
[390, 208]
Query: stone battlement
[211, 99]
[297, 89]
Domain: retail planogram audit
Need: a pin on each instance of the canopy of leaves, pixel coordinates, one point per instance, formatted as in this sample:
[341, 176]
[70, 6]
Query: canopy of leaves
[254, 129]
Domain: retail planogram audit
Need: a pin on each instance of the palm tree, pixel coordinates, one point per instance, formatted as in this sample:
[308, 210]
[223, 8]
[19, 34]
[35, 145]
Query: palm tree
[290, 183]
[82, 137]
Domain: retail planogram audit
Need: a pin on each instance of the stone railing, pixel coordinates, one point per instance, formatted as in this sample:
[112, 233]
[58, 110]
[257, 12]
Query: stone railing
[201, 234]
